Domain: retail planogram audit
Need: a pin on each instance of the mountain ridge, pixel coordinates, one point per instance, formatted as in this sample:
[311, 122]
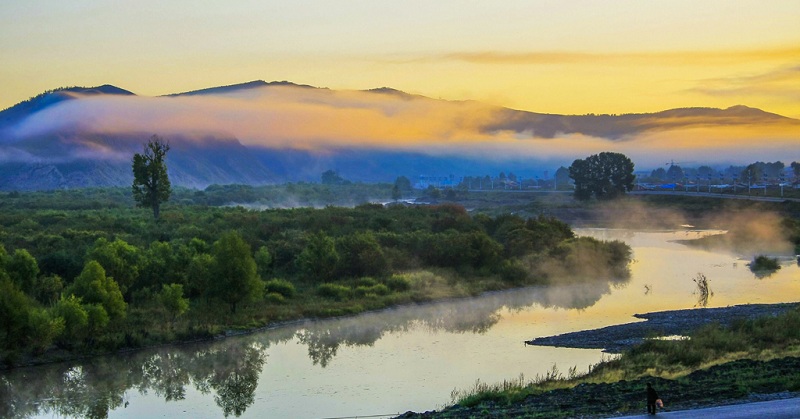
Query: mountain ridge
[44, 149]
[111, 90]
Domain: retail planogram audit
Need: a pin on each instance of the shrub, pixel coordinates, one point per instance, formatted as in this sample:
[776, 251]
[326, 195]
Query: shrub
[377, 289]
[764, 264]
[281, 287]
[275, 298]
[366, 282]
[398, 283]
[513, 271]
[334, 291]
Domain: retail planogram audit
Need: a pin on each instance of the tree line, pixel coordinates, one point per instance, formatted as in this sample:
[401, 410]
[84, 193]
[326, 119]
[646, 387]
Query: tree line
[101, 278]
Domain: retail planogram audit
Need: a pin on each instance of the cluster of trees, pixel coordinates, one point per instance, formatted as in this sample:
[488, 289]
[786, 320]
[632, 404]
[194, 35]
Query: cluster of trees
[97, 274]
[754, 172]
[41, 308]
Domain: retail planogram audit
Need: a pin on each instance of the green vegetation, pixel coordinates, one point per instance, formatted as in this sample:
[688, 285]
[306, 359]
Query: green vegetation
[151, 184]
[764, 265]
[713, 363]
[603, 176]
[87, 273]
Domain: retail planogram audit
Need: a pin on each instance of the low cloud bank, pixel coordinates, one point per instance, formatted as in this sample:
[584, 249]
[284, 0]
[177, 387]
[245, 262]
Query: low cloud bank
[321, 120]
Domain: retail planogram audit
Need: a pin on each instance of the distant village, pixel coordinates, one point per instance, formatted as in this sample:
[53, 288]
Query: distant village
[735, 179]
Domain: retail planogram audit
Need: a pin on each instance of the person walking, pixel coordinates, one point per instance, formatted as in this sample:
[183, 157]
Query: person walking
[652, 396]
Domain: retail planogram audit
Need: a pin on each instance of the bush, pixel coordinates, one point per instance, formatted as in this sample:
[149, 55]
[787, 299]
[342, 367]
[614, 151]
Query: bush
[375, 290]
[281, 287]
[764, 264]
[398, 283]
[513, 271]
[366, 282]
[275, 298]
[334, 291]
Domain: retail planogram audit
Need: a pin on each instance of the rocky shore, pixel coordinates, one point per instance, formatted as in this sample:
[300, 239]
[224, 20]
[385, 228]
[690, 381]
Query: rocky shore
[615, 339]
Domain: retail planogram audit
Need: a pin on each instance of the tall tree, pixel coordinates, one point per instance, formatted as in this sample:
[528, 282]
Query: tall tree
[605, 176]
[151, 184]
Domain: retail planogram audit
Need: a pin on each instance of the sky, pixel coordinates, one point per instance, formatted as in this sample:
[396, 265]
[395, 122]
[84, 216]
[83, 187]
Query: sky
[568, 57]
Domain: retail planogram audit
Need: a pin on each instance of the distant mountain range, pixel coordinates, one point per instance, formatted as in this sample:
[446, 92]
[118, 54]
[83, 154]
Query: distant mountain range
[52, 141]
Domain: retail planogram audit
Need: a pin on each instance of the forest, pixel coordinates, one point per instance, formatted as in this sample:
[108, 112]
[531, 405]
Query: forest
[84, 272]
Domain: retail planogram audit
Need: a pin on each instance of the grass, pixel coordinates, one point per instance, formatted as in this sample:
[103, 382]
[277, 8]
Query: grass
[673, 362]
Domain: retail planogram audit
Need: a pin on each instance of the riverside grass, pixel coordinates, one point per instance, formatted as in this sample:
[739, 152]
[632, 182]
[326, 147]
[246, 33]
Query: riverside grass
[759, 340]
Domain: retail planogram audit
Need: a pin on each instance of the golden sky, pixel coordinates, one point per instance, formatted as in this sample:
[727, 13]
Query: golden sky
[570, 57]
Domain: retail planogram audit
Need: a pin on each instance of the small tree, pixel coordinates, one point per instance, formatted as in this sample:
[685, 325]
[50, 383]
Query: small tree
[235, 276]
[172, 299]
[319, 259]
[94, 287]
[151, 184]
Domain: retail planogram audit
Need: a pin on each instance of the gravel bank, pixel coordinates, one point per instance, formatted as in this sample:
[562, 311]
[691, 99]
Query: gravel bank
[615, 339]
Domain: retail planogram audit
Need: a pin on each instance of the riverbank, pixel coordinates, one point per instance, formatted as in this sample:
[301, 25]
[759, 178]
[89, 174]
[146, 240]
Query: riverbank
[735, 382]
[617, 338]
[754, 357]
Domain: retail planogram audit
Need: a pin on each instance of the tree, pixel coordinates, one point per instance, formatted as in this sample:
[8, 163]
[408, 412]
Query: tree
[605, 176]
[120, 260]
[76, 320]
[330, 177]
[151, 184]
[675, 172]
[95, 288]
[796, 169]
[752, 173]
[319, 259]
[172, 299]
[235, 277]
[562, 177]
[361, 255]
[263, 261]
[403, 184]
[23, 270]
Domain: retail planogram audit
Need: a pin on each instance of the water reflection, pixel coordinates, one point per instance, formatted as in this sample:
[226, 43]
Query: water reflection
[228, 370]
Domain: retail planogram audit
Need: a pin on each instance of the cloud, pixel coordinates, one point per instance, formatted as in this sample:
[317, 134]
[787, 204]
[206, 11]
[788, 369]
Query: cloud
[782, 82]
[321, 120]
[277, 117]
[699, 58]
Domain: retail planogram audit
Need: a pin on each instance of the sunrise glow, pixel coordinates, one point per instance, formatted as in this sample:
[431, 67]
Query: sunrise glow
[559, 57]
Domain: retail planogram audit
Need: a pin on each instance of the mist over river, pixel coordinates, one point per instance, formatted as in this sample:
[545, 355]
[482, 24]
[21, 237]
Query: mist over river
[388, 362]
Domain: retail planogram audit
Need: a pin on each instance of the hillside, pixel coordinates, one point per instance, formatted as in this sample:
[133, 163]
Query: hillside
[264, 132]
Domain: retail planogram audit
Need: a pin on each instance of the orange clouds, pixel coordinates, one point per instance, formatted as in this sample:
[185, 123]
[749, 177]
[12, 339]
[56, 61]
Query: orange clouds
[290, 117]
[304, 118]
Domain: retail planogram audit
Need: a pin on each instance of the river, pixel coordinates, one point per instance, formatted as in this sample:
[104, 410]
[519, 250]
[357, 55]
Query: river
[388, 362]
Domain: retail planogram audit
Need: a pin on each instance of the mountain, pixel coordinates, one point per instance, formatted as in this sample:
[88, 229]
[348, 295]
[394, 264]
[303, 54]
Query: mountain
[47, 99]
[619, 126]
[266, 132]
[221, 90]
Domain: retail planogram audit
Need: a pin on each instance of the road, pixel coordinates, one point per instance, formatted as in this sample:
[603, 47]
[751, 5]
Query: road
[774, 409]
[716, 195]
